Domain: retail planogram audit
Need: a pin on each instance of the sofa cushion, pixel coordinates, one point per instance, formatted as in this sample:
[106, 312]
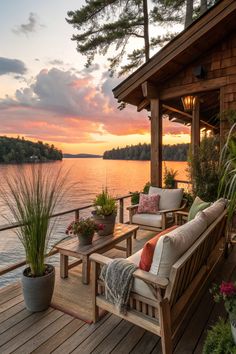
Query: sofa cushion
[148, 204]
[153, 220]
[198, 205]
[215, 210]
[149, 248]
[172, 245]
[169, 198]
[139, 286]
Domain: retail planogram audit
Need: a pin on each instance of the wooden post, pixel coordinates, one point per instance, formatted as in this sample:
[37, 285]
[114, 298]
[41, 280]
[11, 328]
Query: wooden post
[76, 215]
[195, 128]
[156, 143]
[121, 211]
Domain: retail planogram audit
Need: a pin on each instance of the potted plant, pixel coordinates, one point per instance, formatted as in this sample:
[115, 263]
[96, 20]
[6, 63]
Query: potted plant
[169, 178]
[105, 212]
[84, 229]
[226, 292]
[31, 196]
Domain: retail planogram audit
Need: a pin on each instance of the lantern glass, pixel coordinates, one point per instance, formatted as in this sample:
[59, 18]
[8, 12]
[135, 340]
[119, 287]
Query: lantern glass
[188, 103]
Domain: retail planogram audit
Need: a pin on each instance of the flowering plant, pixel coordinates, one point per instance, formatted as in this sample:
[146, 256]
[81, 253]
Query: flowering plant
[226, 292]
[85, 227]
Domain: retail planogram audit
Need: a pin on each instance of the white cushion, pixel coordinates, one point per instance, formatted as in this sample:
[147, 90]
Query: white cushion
[169, 198]
[139, 286]
[214, 211]
[153, 220]
[171, 246]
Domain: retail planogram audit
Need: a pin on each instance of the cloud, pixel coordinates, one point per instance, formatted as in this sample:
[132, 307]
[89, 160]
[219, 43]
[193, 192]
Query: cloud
[61, 106]
[31, 26]
[8, 66]
[56, 62]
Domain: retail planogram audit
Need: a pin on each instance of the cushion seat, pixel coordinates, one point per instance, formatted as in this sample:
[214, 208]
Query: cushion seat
[153, 220]
[139, 286]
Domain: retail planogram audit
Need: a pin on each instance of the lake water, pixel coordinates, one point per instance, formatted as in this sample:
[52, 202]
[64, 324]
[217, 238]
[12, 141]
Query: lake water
[88, 177]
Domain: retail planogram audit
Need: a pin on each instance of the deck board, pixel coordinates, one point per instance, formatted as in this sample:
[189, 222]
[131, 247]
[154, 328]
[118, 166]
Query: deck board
[53, 331]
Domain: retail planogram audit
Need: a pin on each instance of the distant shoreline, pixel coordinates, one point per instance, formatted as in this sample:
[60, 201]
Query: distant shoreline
[81, 156]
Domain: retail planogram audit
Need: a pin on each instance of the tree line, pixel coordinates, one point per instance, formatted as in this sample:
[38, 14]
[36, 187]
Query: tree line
[178, 152]
[20, 150]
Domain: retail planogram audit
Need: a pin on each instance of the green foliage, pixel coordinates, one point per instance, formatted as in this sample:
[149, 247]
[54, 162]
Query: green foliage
[177, 152]
[20, 150]
[189, 198]
[203, 169]
[32, 196]
[219, 340]
[227, 186]
[113, 24]
[169, 177]
[85, 227]
[135, 195]
[105, 204]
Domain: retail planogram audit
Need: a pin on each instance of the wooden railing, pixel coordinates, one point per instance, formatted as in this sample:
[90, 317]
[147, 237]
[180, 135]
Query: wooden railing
[180, 183]
[76, 212]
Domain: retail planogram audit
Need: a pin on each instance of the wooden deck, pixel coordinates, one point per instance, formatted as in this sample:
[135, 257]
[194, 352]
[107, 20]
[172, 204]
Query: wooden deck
[54, 331]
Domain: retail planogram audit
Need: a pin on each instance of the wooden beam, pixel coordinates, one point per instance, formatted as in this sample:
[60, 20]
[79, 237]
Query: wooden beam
[188, 117]
[173, 109]
[156, 143]
[143, 104]
[200, 86]
[149, 90]
[195, 128]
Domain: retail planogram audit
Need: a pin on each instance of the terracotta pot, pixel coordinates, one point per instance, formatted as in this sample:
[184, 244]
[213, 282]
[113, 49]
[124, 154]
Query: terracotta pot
[38, 291]
[85, 240]
[108, 223]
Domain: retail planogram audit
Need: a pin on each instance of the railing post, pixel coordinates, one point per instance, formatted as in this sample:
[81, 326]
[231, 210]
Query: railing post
[175, 183]
[77, 215]
[121, 211]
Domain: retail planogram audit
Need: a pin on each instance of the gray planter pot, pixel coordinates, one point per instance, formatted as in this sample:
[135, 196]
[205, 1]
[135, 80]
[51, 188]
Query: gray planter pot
[85, 240]
[38, 291]
[108, 223]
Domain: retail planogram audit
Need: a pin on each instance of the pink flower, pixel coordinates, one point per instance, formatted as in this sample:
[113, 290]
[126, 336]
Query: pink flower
[228, 289]
[101, 227]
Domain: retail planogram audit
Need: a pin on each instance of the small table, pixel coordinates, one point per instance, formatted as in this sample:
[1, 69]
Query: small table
[100, 244]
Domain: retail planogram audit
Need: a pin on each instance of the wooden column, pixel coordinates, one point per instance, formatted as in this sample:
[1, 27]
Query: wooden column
[156, 143]
[195, 128]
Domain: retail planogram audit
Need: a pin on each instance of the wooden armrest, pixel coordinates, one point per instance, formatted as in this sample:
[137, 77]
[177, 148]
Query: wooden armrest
[166, 211]
[99, 258]
[151, 278]
[131, 207]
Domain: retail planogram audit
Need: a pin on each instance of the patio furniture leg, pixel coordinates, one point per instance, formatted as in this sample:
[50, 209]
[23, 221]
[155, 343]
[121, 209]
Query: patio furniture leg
[85, 270]
[63, 266]
[129, 246]
[135, 234]
[95, 274]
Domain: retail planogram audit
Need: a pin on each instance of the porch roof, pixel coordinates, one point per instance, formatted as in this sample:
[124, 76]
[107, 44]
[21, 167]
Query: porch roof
[190, 44]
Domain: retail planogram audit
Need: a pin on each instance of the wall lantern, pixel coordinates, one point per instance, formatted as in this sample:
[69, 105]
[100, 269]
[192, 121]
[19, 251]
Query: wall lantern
[188, 103]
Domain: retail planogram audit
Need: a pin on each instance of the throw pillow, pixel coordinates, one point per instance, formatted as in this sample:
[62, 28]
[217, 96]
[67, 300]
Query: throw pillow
[215, 210]
[149, 248]
[148, 204]
[172, 246]
[198, 205]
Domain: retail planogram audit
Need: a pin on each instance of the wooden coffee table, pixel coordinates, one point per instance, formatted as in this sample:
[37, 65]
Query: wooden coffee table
[100, 244]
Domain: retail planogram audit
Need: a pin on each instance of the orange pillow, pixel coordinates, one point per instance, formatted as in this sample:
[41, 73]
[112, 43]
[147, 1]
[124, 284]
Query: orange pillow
[149, 248]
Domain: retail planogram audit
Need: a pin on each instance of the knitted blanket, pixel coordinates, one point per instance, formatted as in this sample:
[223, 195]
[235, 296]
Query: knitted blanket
[118, 279]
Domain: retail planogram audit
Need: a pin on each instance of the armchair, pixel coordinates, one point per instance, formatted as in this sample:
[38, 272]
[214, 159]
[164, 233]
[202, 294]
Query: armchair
[171, 200]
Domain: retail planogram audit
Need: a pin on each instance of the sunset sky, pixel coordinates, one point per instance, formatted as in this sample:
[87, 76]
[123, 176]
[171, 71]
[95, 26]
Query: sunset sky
[47, 94]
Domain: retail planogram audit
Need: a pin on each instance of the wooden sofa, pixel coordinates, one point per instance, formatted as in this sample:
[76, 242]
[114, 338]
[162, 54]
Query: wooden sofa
[171, 200]
[164, 313]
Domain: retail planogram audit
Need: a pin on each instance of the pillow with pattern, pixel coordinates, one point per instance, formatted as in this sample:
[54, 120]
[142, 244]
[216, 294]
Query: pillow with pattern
[148, 204]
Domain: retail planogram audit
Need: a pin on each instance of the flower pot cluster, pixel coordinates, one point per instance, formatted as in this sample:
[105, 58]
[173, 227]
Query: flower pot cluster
[226, 292]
